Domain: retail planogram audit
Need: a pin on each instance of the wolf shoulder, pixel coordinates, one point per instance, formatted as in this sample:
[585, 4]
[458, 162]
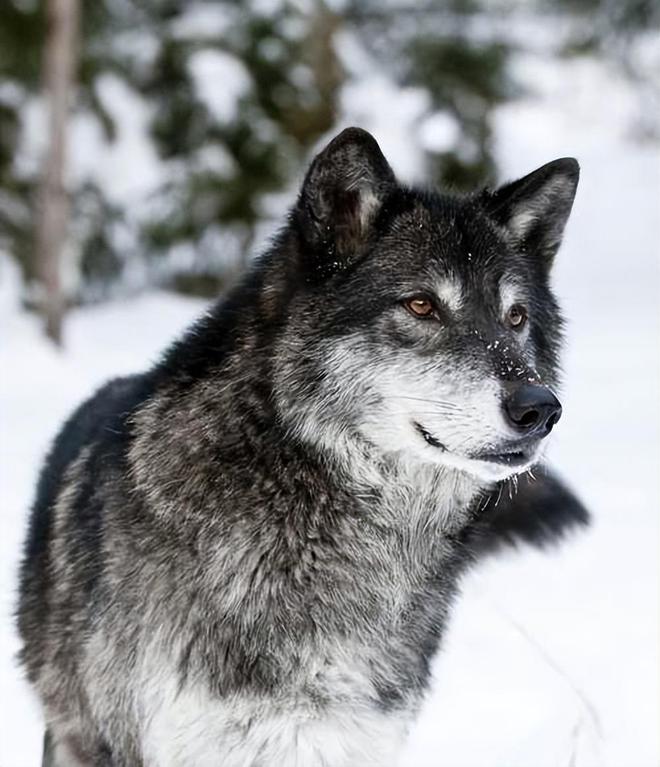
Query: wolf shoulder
[97, 425]
[99, 419]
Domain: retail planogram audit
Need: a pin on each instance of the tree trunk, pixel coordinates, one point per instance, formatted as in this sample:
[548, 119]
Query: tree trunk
[53, 202]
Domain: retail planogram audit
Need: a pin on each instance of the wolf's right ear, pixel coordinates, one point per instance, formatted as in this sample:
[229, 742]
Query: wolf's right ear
[340, 198]
[535, 208]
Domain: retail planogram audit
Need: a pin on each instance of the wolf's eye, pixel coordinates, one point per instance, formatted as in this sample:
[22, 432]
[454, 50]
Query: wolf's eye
[516, 317]
[420, 306]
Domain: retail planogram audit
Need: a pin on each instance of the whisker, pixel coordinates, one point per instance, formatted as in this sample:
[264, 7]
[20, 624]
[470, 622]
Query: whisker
[444, 403]
[436, 411]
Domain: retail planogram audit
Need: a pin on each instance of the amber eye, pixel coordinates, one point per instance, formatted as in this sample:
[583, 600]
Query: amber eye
[420, 306]
[516, 317]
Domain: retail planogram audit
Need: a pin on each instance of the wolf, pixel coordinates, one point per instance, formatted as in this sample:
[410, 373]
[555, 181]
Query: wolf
[247, 555]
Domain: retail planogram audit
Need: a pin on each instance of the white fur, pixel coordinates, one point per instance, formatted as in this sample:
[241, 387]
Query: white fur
[466, 419]
[462, 411]
[450, 293]
[369, 205]
[190, 728]
[511, 292]
[532, 209]
[523, 221]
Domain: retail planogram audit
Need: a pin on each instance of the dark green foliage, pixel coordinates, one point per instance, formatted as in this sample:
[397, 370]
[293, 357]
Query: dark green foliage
[434, 45]
[627, 15]
[275, 122]
[181, 122]
[469, 79]
[450, 68]
[605, 27]
[96, 225]
[218, 171]
[21, 31]
[265, 142]
[207, 284]
[8, 135]
[22, 27]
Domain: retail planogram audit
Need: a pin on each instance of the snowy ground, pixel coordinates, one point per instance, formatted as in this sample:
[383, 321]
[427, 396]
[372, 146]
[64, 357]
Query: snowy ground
[552, 658]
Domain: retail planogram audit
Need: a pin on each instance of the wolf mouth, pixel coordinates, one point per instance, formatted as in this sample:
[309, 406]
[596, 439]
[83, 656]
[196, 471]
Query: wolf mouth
[515, 457]
[428, 437]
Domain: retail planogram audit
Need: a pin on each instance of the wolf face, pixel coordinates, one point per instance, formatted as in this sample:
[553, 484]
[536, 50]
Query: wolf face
[425, 326]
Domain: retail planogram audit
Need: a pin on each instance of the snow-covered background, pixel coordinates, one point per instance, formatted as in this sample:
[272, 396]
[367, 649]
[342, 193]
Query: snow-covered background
[552, 658]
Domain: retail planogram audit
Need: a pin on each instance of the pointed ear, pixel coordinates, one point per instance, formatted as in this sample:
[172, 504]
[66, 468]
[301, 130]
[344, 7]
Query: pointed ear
[340, 198]
[535, 208]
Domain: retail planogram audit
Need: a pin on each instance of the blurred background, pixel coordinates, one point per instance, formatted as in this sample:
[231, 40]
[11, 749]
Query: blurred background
[181, 128]
[148, 151]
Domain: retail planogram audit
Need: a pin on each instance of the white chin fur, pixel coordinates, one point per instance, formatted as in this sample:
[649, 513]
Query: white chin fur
[486, 471]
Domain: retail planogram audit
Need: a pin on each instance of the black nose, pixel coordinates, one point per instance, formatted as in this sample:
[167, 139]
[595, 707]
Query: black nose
[532, 410]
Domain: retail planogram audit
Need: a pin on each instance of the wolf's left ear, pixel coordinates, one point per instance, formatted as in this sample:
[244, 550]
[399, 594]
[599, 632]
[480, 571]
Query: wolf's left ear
[340, 198]
[535, 208]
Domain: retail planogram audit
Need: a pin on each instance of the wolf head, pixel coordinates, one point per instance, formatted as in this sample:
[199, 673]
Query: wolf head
[423, 324]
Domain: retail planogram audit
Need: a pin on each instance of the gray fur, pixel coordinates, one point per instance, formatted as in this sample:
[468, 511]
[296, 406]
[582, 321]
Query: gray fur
[248, 554]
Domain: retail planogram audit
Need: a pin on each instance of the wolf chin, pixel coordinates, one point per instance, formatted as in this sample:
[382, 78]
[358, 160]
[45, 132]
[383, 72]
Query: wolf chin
[247, 555]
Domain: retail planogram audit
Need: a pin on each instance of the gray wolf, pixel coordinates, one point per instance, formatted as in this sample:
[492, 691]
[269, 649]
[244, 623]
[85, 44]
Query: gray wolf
[247, 555]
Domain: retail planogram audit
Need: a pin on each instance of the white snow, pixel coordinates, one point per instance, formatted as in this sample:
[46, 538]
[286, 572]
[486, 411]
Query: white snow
[128, 169]
[201, 21]
[439, 132]
[552, 658]
[392, 113]
[220, 81]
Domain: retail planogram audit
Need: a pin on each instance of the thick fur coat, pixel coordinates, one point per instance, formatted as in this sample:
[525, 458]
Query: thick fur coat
[247, 555]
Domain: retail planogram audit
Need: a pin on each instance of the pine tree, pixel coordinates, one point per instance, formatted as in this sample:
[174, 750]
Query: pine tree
[229, 143]
[292, 77]
[22, 30]
[436, 45]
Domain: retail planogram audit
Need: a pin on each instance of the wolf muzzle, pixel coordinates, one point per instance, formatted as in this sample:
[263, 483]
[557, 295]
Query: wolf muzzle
[532, 410]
